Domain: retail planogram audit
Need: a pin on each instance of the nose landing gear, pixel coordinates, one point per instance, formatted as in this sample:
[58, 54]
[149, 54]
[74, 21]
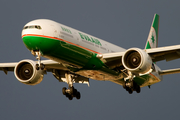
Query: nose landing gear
[38, 57]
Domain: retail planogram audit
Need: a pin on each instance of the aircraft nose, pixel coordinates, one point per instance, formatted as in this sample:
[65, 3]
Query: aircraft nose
[31, 35]
[36, 35]
[32, 42]
[40, 42]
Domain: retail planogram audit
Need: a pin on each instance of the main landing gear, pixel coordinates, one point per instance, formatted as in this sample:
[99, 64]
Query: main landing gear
[131, 86]
[71, 92]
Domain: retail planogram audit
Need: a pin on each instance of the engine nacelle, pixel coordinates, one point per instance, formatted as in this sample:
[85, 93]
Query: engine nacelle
[137, 61]
[25, 71]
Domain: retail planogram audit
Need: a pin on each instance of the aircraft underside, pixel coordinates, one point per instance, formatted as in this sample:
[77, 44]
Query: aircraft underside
[81, 75]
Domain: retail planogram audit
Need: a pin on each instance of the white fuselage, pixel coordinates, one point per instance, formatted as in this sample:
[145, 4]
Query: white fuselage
[54, 29]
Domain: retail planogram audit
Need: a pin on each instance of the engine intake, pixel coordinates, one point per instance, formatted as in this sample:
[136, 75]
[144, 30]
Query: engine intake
[137, 61]
[25, 71]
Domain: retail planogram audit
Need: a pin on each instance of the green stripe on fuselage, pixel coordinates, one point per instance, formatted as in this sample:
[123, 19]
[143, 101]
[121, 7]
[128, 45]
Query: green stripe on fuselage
[61, 50]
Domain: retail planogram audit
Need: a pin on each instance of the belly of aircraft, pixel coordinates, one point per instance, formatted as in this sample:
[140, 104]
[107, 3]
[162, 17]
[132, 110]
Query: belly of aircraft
[80, 61]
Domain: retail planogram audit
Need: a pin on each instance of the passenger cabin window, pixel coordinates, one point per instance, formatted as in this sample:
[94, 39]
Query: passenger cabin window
[32, 27]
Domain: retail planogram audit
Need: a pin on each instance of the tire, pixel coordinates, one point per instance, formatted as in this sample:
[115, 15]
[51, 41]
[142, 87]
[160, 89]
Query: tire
[78, 95]
[64, 90]
[37, 66]
[130, 91]
[75, 92]
[72, 90]
[127, 88]
[42, 66]
[138, 89]
[124, 85]
[70, 97]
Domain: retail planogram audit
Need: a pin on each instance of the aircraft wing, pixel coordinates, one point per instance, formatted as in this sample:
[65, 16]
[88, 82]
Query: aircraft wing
[112, 59]
[49, 64]
[164, 53]
[157, 54]
[7, 67]
[169, 71]
[112, 56]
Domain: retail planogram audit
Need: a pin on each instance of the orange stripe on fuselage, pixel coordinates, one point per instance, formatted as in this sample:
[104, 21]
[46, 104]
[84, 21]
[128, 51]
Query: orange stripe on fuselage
[60, 40]
[154, 76]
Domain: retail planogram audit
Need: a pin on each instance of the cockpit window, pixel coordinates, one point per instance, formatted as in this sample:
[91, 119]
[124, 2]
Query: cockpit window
[32, 27]
[26, 27]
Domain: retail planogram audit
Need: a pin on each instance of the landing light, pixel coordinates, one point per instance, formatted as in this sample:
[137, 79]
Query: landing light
[99, 56]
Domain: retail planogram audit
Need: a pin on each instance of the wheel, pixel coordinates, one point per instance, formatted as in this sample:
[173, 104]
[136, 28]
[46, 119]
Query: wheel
[130, 90]
[138, 89]
[67, 95]
[64, 90]
[75, 92]
[37, 66]
[70, 97]
[78, 95]
[124, 85]
[42, 66]
[127, 89]
[71, 90]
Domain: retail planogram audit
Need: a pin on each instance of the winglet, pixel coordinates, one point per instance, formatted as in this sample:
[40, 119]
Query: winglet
[152, 40]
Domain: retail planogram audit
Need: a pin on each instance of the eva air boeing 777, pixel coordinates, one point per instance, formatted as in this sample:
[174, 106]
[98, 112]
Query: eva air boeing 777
[76, 57]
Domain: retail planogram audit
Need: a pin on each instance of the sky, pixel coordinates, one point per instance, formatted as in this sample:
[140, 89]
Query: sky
[125, 23]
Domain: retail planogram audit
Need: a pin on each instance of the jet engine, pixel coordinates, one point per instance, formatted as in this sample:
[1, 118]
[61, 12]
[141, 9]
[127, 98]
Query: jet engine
[137, 61]
[25, 71]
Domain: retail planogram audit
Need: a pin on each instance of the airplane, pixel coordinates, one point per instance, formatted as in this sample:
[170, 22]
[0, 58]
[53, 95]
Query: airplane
[75, 57]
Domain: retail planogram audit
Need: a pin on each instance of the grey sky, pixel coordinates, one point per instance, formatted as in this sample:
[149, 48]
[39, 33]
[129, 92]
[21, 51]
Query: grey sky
[123, 22]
